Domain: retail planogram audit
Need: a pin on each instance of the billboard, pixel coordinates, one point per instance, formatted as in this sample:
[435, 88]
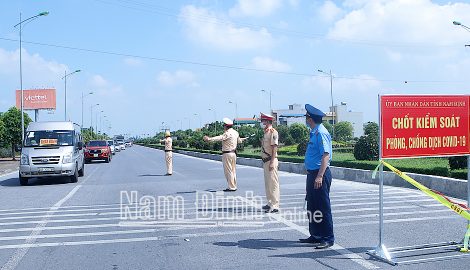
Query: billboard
[36, 99]
[424, 125]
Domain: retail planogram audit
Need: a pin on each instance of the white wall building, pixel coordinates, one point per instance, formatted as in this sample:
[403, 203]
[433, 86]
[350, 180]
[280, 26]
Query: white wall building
[296, 114]
[355, 118]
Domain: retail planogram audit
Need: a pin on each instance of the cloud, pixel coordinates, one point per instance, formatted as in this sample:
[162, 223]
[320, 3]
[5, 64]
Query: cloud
[266, 63]
[37, 71]
[329, 11]
[418, 21]
[255, 8]
[178, 78]
[215, 31]
[132, 61]
[103, 87]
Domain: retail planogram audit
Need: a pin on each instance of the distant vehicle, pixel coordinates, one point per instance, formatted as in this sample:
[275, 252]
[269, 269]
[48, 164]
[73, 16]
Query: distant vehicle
[121, 145]
[52, 149]
[98, 150]
[112, 146]
[128, 144]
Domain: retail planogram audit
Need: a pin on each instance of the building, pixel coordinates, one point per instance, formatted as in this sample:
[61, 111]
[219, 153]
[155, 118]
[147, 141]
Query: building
[341, 114]
[245, 121]
[296, 114]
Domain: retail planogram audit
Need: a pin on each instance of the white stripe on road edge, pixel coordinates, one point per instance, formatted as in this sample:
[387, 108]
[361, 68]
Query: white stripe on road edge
[15, 259]
[341, 250]
[5, 176]
[141, 239]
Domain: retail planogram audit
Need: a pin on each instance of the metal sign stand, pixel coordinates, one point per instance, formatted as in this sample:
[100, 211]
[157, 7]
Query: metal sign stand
[381, 252]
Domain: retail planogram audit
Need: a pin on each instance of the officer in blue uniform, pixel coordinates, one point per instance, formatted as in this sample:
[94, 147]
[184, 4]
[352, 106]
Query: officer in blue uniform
[317, 161]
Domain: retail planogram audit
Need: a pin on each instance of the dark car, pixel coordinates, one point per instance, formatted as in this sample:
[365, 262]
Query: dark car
[98, 150]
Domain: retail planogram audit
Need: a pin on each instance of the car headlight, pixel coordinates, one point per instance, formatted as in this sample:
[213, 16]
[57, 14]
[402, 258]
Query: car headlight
[67, 158]
[24, 159]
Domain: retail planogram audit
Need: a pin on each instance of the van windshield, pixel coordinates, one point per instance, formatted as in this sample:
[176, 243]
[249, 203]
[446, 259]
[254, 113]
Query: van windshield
[45, 138]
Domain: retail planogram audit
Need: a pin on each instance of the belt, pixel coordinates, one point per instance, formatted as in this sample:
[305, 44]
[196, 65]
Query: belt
[168, 150]
[266, 159]
[231, 151]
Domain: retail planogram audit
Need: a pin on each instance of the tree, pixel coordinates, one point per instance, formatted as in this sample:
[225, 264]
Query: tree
[2, 132]
[12, 121]
[367, 148]
[299, 132]
[343, 131]
[371, 128]
[283, 132]
[328, 127]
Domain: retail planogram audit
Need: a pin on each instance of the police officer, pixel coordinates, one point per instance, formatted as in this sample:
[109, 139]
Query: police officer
[168, 153]
[230, 138]
[269, 146]
[317, 160]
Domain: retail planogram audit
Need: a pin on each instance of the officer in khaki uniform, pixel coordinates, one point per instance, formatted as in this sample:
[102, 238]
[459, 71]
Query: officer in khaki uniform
[168, 153]
[269, 146]
[230, 138]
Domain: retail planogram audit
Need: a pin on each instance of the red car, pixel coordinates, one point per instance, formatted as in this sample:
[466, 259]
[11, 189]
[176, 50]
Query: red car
[98, 150]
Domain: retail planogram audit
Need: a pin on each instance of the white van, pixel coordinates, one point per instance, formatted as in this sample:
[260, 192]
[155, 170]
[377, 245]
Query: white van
[52, 149]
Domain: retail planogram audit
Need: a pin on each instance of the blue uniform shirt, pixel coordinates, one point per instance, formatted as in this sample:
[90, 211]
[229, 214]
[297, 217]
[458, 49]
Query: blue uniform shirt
[319, 143]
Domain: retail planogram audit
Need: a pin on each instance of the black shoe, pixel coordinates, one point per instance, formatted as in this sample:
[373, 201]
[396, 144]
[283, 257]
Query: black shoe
[266, 207]
[310, 240]
[324, 245]
[229, 190]
[272, 211]
[168, 174]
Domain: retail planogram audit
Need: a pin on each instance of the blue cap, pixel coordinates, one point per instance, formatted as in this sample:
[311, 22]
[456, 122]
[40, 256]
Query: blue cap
[313, 112]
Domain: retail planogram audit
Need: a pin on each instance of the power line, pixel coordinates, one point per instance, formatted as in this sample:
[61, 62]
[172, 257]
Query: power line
[218, 65]
[157, 9]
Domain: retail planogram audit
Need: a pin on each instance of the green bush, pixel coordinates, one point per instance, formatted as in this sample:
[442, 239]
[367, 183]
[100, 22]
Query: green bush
[456, 163]
[367, 148]
[299, 132]
[302, 148]
[459, 174]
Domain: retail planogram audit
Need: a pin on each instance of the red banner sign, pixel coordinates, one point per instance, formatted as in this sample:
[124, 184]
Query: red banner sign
[36, 99]
[418, 126]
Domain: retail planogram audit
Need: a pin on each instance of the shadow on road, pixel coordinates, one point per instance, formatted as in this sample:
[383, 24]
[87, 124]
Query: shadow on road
[15, 182]
[267, 244]
[151, 175]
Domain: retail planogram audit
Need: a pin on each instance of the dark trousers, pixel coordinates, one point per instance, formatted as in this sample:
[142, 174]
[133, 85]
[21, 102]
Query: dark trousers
[319, 214]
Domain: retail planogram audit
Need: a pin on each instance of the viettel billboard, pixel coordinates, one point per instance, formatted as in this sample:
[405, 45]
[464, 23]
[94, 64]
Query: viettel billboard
[36, 99]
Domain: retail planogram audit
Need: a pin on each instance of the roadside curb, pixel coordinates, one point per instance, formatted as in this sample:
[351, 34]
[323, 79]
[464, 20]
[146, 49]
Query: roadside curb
[449, 186]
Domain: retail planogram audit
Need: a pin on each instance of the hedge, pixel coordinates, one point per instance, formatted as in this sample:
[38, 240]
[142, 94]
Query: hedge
[353, 164]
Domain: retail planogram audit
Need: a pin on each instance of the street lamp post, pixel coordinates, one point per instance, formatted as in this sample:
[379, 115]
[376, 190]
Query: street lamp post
[331, 92]
[20, 24]
[236, 108]
[83, 96]
[91, 114]
[65, 87]
[200, 125]
[99, 113]
[215, 119]
[464, 27]
[270, 99]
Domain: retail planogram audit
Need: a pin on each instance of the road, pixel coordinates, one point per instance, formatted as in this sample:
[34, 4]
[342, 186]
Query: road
[54, 224]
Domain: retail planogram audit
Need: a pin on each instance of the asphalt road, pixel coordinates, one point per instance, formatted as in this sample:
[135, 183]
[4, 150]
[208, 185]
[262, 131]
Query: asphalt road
[54, 224]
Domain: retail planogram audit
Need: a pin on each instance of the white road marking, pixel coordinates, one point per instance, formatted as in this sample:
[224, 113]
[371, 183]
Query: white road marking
[341, 250]
[140, 239]
[15, 259]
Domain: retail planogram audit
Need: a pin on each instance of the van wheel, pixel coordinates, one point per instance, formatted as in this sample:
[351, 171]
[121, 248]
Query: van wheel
[108, 160]
[81, 172]
[74, 177]
[23, 180]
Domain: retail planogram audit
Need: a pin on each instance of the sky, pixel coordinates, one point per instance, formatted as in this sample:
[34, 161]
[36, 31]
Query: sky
[166, 63]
